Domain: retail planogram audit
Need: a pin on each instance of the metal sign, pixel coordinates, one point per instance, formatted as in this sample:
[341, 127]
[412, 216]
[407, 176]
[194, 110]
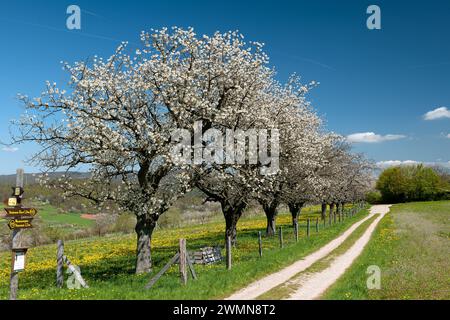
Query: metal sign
[20, 223]
[20, 212]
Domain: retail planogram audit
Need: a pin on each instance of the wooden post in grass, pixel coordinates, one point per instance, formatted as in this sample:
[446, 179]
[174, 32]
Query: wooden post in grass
[307, 227]
[317, 224]
[334, 218]
[339, 217]
[259, 244]
[280, 235]
[296, 231]
[60, 264]
[228, 252]
[183, 262]
[191, 267]
[329, 219]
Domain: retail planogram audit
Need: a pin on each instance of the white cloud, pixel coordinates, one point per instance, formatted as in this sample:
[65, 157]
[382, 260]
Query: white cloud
[372, 137]
[394, 163]
[448, 136]
[437, 113]
[10, 149]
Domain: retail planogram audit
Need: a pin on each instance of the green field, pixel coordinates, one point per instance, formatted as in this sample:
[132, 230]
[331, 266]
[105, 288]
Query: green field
[107, 263]
[411, 245]
[50, 215]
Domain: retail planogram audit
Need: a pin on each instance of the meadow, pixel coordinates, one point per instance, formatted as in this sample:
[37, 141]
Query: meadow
[107, 263]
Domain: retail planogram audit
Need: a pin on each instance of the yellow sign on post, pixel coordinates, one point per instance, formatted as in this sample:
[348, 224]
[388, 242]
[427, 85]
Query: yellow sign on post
[20, 212]
[20, 224]
[12, 202]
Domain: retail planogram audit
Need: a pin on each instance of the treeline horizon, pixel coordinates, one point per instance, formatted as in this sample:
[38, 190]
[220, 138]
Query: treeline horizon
[411, 183]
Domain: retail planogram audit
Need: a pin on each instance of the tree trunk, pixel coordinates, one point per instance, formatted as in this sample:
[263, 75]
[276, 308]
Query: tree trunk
[331, 209]
[232, 214]
[324, 211]
[271, 211]
[338, 208]
[295, 209]
[144, 229]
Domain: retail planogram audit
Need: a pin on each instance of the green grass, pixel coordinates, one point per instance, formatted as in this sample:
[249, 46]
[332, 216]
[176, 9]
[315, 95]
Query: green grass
[50, 215]
[411, 245]
[107, 263]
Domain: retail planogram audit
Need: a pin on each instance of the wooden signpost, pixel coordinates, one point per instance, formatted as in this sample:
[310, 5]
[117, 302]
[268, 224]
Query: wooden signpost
[19, 218]
[20, 224]
[19, 212]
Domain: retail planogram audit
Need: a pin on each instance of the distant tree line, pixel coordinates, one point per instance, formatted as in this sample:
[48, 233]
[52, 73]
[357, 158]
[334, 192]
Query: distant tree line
[412, 183]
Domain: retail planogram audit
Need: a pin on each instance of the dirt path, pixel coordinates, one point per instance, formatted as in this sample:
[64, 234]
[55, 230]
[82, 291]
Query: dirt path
[269, 282]
[319, 282]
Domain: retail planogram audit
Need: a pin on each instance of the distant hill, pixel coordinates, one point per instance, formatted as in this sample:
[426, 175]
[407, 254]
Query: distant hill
[30, 178]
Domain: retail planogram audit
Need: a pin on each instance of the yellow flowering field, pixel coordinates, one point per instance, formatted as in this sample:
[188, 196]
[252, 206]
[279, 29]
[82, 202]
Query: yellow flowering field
[109, 260]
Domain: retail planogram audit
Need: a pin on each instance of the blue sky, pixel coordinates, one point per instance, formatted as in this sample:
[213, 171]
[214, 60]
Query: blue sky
[371, 81]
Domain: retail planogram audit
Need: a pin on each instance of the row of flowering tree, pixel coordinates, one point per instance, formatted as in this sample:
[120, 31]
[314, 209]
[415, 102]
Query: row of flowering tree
[151, 124]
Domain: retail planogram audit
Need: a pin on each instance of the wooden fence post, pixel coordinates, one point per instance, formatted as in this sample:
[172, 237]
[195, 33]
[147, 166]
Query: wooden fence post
[183, 261]
[280, 235]
[334, 218]
[228, 252]
[296, 231]
[60, 264]
[259, 244]
[317, 224]
[307, 227]
[191, 266]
